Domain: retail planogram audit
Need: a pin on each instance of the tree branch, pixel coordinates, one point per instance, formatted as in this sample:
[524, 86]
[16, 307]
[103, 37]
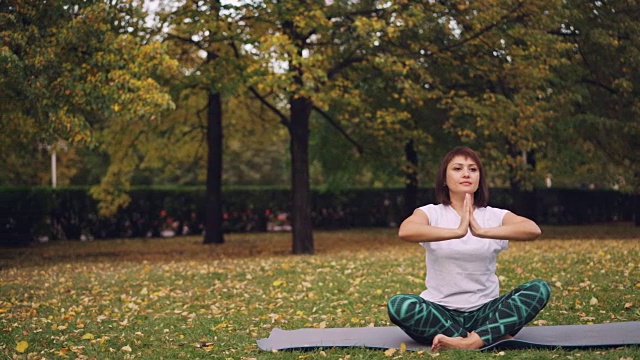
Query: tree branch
[284, 120]
[479, 33]
[488, 28]
[343, 65]
[561, 33]
[337, 126]
[600, 85]
[186, 40]
[587, 63]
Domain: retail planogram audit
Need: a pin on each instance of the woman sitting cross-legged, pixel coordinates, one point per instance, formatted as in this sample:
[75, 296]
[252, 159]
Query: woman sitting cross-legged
[461, 307]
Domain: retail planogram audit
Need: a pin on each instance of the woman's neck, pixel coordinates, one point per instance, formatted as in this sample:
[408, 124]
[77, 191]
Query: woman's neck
[457, 203]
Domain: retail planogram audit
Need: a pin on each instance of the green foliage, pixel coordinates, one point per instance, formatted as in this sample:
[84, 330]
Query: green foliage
[603, 97]
[78, 68]
[173, 150]
[542, 87]
[67, 65]
[25, 166]
[500, 102]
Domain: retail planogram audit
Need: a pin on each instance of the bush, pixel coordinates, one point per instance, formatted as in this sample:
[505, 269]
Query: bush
[43, 214]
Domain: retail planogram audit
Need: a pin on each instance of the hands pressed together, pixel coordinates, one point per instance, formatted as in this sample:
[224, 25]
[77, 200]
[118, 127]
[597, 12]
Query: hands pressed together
[467, 220]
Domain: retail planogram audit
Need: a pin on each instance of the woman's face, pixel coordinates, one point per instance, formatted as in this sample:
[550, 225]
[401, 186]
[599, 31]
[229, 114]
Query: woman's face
[463, 175]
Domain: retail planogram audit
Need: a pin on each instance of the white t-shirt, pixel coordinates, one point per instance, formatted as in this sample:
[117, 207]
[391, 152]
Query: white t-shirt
[461, 273]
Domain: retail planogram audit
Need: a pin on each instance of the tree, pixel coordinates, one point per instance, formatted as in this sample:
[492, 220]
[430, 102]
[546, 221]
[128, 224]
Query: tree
[481, 71]
[25, 159]
[209, 32]
[506, 104]
[304, 56]
[489, 66]
[605, 117]
[76, 68]
[175, 149]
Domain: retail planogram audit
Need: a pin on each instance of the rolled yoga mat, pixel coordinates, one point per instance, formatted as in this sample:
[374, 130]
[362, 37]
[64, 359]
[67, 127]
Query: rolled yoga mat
[388, 337]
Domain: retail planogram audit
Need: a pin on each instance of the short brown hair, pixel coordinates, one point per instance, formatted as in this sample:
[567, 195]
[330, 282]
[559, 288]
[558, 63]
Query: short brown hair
[480, 197]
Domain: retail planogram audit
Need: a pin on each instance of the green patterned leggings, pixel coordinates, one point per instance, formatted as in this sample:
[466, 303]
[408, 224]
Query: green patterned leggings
[506, 315]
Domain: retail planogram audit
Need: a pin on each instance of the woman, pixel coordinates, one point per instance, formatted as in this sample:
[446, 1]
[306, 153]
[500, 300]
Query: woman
[461, 307]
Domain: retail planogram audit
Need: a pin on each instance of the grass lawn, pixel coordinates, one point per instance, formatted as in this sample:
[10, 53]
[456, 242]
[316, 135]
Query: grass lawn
[178, 299]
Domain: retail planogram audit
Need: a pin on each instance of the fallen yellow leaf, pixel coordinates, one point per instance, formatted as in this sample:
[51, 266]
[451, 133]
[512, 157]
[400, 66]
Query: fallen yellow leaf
[204, 344]
[389, 352]
[87, 336]
[221, 325]
[22, 346]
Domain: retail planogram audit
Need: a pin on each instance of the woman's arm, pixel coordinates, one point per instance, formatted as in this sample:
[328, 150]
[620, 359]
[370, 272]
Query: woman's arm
[513, 227]
[416, 228]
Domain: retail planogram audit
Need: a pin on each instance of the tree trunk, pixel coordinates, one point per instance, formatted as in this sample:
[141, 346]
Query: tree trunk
[523, 202]
[213, 220]
[302, 235]
[636, 197]
[411, 179]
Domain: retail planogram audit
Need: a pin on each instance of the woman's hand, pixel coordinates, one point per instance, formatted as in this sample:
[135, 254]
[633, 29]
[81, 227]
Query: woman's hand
[476, 229]
[474, 226]
[417, 227]
[466, 215]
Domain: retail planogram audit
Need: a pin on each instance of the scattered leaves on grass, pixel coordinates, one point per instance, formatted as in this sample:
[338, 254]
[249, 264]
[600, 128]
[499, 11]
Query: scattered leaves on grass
[156, 297]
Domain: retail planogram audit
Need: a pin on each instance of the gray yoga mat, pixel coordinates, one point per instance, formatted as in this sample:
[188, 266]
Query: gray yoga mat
[388, 337]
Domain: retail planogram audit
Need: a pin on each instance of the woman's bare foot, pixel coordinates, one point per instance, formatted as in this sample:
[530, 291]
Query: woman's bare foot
[443, 342]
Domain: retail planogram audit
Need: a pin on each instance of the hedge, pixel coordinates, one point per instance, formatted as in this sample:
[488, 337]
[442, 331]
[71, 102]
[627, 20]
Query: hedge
[42, 214]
